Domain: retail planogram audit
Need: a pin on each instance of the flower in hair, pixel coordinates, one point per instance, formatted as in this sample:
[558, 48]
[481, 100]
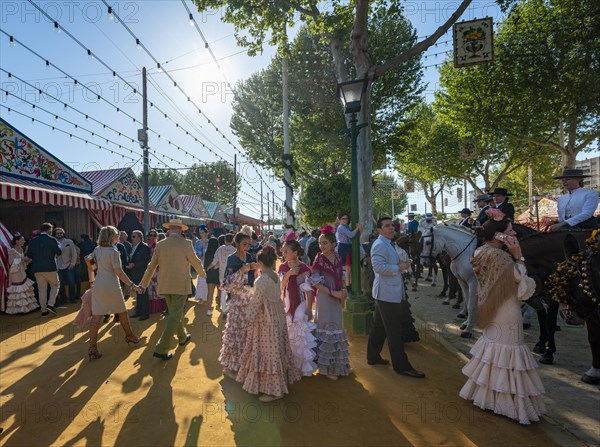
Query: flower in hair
[495, 214]
[327, 229]
[291, 236]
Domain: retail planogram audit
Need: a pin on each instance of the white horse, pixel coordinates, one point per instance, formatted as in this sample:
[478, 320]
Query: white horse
[460, 243]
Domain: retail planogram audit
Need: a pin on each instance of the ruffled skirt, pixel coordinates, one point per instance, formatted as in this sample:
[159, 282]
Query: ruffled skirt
[303, 344]
[20, 298]
[266, 364]
[234, 334]
[332, 342]
[503, 378]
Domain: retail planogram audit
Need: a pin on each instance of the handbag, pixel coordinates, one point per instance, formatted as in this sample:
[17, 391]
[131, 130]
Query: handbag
[201, 289]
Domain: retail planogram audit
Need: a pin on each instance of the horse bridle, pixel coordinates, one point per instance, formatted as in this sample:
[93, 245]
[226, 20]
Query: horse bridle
[455, 257]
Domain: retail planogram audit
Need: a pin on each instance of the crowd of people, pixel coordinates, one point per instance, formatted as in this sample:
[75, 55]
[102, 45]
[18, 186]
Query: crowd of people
[282, 297]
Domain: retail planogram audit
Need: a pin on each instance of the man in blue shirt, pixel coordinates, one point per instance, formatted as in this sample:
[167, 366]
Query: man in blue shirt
[412, 226]
[577, 207]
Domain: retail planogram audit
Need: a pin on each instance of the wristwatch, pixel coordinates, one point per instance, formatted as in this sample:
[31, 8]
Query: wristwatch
[522, 259]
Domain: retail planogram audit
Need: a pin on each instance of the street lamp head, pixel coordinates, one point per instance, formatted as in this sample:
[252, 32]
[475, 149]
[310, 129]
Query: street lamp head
[536, 198]
[351, 94]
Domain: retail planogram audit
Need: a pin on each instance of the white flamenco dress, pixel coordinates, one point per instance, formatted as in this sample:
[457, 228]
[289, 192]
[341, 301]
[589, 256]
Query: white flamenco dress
[300, 331]
[502, 374]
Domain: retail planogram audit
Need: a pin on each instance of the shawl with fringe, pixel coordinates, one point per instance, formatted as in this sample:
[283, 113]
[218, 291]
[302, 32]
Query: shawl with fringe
[497, 281]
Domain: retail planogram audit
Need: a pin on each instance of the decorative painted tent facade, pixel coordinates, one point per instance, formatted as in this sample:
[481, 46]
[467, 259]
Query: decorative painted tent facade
[195, 206]
[217, 216]
[122, 188]
[36, 186]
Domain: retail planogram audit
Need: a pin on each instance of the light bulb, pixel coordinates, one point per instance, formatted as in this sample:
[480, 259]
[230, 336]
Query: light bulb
[47, 65]
[89, 53]
[11, 41]
[206, 46]
[110, 13]
[138, 44]
[56, 27]
[191, 19]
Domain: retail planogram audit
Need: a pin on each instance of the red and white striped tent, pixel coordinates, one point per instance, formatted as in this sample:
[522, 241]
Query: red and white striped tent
[195, 206]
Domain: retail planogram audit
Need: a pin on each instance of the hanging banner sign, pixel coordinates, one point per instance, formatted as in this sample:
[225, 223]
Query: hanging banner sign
[473, 42]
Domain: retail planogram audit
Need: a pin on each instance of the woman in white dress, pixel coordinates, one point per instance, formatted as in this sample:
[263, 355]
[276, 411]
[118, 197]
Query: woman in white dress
[502, 372]
[298, 298]
[20, 297]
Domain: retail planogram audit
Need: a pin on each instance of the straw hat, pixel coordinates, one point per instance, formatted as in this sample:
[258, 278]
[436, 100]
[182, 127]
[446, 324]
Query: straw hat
[175, 223]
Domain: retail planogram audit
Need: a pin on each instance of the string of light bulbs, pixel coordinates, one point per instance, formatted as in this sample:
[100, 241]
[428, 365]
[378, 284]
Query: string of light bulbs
[70, 134]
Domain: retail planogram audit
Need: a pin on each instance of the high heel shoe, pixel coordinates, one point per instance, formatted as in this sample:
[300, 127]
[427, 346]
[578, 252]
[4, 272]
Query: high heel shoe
[133, 339]
[93, 353]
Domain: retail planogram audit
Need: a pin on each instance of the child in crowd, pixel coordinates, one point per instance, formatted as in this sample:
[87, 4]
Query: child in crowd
[298, 299]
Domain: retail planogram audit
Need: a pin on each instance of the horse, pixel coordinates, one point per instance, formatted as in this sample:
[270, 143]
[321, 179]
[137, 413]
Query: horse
[583, 293]
[542, 251]
[411, 244]
[460, 243]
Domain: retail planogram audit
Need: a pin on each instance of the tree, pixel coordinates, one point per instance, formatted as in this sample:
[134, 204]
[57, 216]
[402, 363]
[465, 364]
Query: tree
[427, 151]
[268, 20]
[214, 182]
[383, 185]
[542, 89]
[323, 199]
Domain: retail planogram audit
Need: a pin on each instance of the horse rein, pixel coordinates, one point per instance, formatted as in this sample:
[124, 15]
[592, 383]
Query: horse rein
[464, 249]
[455, 257]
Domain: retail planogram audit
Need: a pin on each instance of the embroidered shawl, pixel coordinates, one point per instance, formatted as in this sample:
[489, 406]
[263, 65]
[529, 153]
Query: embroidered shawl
[495, 272]
[292, 288]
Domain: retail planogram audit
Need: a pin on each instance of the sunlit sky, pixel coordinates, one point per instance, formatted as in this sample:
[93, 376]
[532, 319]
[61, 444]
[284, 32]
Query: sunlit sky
[163, 29]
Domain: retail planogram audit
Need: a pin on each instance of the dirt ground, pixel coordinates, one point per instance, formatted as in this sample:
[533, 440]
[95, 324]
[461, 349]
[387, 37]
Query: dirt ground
[51, 394]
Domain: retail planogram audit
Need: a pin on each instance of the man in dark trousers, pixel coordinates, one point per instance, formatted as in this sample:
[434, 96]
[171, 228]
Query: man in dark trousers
[138, 261]
[43, 250]
[390, 303]
[500, 196]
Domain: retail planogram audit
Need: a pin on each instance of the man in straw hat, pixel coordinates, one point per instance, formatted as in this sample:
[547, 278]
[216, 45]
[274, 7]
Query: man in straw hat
[577, 207]
[173, 255]
[483, 201]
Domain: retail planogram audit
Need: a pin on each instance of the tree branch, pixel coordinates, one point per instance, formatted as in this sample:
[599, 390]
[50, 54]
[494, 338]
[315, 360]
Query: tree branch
[587, 141]
[313, 12]
[421, 46]
[535, 141]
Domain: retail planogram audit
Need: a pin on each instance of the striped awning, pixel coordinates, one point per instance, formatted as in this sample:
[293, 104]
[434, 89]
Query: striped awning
[12, 188]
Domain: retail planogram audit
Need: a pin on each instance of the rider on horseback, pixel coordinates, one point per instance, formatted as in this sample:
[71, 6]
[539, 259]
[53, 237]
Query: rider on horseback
[577, 207]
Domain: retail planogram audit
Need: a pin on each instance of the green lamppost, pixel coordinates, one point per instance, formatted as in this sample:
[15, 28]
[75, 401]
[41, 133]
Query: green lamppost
[356, 318]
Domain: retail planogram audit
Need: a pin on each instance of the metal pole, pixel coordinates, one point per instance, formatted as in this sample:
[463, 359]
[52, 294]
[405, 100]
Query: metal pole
[537, 214]
[443, 199]
[234, 190]
[273, 210]
[146, 172]
[530, 186]
[465, 191]
[262, 214]
[268, 214]
[287, 157]
[356, 286]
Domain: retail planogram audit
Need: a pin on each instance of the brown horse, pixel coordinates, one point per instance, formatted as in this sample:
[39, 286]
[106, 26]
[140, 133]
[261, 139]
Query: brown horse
[542, 251]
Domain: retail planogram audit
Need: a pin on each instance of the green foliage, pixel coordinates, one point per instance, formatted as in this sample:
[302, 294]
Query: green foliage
[211, 181]
[545, 73]
[324, 198]
[383, 184]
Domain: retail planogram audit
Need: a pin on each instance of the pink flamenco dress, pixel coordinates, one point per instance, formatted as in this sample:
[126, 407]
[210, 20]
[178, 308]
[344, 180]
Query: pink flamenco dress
[157, 302]
[502, 373]
[300, 329]
[266, 364]
[20, 296]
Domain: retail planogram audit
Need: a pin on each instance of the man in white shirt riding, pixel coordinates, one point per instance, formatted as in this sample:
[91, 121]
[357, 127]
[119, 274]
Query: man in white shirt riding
[576, 208]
